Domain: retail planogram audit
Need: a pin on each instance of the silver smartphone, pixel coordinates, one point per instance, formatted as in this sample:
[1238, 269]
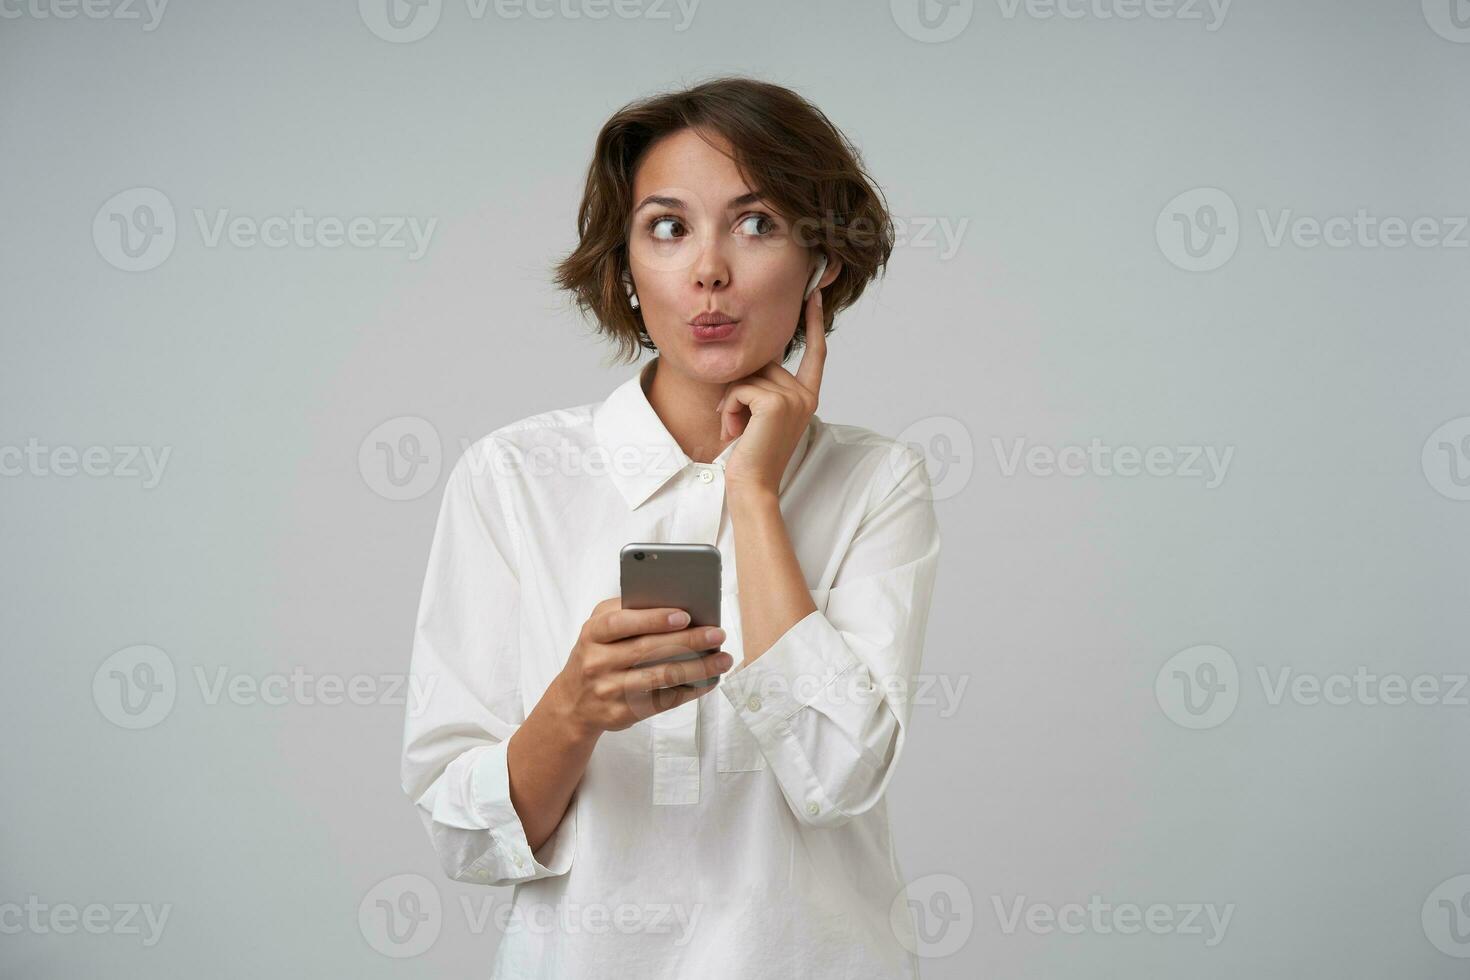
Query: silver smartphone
[679, 576]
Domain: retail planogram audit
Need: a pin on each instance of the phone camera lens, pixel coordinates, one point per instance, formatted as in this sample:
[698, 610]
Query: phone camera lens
[637, 556]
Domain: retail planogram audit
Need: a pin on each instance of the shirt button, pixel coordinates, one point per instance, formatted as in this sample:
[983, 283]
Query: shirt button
[520, 863]
[754, 704]
[812, 808]
[705, 476]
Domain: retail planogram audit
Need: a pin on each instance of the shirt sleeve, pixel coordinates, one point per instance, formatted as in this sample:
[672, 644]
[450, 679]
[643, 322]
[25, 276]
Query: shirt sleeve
[465, 697]
[829, 702]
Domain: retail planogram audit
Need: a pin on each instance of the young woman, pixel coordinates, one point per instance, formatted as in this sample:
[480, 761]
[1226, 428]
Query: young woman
[655, 829]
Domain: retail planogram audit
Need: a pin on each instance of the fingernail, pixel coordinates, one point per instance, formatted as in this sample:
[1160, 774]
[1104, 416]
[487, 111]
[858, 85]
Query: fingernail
[724, 660]
[678, 618]
[715, 635]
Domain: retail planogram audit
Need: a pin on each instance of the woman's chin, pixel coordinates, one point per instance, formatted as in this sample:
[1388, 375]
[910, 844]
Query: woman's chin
[720, 363]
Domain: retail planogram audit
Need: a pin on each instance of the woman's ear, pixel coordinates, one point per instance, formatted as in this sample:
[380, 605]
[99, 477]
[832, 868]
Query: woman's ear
[628, 286]
[824, 275]
[815, 280]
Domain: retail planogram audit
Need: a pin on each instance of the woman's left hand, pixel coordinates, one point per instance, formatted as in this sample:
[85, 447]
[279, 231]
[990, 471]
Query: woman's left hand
[769, 410]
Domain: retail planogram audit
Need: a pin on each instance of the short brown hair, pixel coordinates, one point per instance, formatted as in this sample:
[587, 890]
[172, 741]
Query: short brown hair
[787, 151]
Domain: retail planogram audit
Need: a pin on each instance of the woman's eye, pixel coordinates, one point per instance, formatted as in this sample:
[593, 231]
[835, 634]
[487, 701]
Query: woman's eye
[744, 222]
[658, 223]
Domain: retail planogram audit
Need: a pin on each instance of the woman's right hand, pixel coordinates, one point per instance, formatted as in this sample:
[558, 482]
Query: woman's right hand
[602, 688]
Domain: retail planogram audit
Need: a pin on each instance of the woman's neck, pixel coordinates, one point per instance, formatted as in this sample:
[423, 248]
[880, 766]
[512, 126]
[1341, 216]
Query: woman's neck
[687, 409]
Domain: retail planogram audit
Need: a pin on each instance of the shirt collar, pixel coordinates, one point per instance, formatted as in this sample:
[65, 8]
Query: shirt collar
[641, 454]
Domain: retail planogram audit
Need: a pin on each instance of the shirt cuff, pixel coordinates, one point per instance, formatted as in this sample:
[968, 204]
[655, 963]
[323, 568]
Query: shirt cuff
[511, 859]
[798, 669]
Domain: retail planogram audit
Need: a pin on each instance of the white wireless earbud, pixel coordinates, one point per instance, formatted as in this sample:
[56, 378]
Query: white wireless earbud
[816, 277]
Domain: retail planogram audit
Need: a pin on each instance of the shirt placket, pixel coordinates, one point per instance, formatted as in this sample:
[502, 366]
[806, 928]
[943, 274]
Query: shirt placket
[697, 512]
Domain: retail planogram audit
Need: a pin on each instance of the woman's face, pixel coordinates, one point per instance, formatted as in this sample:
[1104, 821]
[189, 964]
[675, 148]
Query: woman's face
[698, 242]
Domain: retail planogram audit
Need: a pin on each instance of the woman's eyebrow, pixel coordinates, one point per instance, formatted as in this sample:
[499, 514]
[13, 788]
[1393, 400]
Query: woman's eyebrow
[750, 197]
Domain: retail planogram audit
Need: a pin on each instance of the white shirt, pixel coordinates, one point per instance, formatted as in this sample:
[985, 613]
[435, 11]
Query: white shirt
[743, 834]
